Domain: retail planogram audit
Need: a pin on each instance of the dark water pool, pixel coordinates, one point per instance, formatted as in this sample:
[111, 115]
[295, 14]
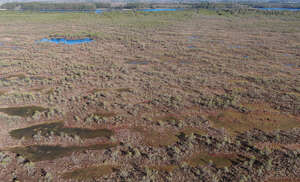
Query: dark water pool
[25, 111]
[66, 41]
[37, 153]
[57, 128]
[138, 62]
[280, 9]
[158, 9]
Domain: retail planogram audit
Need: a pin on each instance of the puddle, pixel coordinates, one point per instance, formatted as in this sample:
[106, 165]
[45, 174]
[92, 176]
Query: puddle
[158, 9]
[292, 65]
[37, 153]
[236, 46]
[185, 62]
[193, 38]
[138, 62]
[66, 41]
[84, 174]
[58, 129]
[98, 11]
[26, 111]
[192, 47]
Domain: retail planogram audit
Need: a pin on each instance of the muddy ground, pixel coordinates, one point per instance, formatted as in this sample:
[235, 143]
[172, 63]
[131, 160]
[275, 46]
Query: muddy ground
[191, 95]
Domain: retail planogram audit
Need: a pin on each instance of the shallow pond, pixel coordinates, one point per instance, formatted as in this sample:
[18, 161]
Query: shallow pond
[58, 129]
[66, 41]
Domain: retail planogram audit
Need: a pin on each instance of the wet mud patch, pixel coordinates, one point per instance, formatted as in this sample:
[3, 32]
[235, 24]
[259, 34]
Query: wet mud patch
[14, 77]
[259, 116]
[58, 129]
[2, 92]
[155, 138]
[89, 172]
[26, 111]
[21, 76]
[282, 179]
[164, 168]
[37, 153]
[170, 119]
[185, 62]
[190, 131]
[272, 146]
[220, 160]
[124, 90]
[74, 36]
[38, 89]
[98, 90]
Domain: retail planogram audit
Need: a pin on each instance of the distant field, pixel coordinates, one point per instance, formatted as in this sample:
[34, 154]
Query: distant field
[194, 95]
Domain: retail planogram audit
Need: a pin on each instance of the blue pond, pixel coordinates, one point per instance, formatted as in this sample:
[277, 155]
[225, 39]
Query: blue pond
[280, 9]
[158, 9]
[65, 41]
